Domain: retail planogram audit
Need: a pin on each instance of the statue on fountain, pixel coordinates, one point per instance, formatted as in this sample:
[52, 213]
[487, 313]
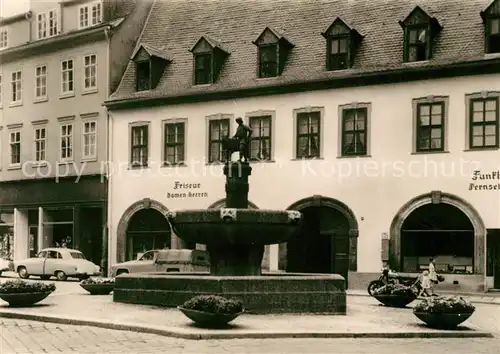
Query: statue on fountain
[239, 142]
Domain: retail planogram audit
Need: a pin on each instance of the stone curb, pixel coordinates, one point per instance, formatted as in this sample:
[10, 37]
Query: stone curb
[228, 334]
[471, 298]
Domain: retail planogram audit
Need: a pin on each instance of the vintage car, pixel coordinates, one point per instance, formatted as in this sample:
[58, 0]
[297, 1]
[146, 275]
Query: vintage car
[59, 262]
[165, 260]
[6, 265]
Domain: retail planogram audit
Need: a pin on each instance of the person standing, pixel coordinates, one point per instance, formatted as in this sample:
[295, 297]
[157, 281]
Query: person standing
[432, 274]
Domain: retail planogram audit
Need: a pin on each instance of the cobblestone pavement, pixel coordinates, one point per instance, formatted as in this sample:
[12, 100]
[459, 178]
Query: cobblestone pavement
[28, 337]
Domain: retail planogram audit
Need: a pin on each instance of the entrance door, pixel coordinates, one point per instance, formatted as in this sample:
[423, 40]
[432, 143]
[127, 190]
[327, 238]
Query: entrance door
[323, 244]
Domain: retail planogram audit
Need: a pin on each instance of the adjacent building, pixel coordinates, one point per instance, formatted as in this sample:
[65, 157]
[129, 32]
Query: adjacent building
[59, 62]
[379, 121]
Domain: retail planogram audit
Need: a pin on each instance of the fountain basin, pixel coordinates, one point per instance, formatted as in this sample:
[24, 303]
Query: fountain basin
[231, 226]
[268, 293]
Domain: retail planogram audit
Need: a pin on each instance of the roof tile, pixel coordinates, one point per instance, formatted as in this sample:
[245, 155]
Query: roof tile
[175, 25]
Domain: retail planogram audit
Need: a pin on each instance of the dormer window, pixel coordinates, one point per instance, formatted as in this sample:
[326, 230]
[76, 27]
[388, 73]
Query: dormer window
[419, 32]
[342, 43]
[209, 57]
[273, 51]
[150, 64]
[491, 19]
[143, 70]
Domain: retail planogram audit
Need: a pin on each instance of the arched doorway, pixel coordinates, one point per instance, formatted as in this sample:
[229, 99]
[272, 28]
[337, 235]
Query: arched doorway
[441, 231]
[148, 229]
[322, 246]
[328, 241]
[122, 244]
[452, 214]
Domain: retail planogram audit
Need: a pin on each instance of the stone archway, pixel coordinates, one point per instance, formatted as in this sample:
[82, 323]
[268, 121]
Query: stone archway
[437, 197]
[121, 232]
[321, 201]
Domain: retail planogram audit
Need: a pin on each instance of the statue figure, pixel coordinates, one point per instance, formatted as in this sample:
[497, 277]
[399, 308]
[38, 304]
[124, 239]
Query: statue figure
[243, 135]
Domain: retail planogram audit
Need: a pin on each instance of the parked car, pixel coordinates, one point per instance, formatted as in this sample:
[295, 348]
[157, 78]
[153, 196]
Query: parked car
[6, 265]
[165, 260]
[59, 262]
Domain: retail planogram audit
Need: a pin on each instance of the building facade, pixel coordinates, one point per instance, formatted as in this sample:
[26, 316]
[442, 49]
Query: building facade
[59, 62]
[379, 122]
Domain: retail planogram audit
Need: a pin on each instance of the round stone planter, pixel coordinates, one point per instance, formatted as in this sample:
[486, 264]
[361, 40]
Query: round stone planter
[98, 289]
[24, 299]
[443, 320]
[208, 319]
[395, 300]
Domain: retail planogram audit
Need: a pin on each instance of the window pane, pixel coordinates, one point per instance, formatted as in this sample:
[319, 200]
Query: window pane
[477, 130]
[302, 146]
[436, 143]
[477, 106]
[334, 46]
[490, 129]
[436, 109]
[477, 116]
[343, 45]
[349, 123]
[490, 116]
[424, 144]
[214, 131]
[413, 36]
[424, 110]
[424, 120]
[495, 26]
[491, 105]
[436, 133]
[490, 140]
[303, 126]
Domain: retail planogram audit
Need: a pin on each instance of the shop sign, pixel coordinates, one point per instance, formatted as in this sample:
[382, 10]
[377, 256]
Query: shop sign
[182, 190]
[485, 181]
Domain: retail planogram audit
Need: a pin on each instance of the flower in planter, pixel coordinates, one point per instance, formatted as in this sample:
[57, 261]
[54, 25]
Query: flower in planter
[395, 289]
[98, 280]
[444, 305]
[23, 287]
[214, 304]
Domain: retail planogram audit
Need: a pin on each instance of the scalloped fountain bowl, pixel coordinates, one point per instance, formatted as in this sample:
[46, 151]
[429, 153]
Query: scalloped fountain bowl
[235, 240]
[235, 226]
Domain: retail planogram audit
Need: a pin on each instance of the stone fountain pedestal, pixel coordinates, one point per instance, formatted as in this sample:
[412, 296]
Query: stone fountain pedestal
[235, 237]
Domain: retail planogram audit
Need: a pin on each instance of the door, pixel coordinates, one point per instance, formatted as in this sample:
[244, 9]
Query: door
[36, 266]
[52, 263]
[340, 255]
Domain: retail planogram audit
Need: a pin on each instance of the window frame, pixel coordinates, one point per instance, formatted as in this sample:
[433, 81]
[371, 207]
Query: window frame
[408, 45]
[18, 142]
[16, 87]
[132, 128]
[85, 135]
[37, 143]
[89, 67]
[209, 75]
[71, 73]
[489, 36]
[419, 126]
[53, 22]
[211, 120]
[41, 25]
[42, 77]
[4, 38]
[68, 138]
[183, 146]
[354, 131]
[329, 59]
[261, 48]
[261, 117]
[149, 79]
[471, 123]
[319, 134]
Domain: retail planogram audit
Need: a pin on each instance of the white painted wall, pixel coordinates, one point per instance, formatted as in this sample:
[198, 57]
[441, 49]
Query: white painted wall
[375, 187]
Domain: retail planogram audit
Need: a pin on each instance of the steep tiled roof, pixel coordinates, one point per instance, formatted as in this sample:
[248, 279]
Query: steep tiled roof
[151, 51]
[177, 24]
